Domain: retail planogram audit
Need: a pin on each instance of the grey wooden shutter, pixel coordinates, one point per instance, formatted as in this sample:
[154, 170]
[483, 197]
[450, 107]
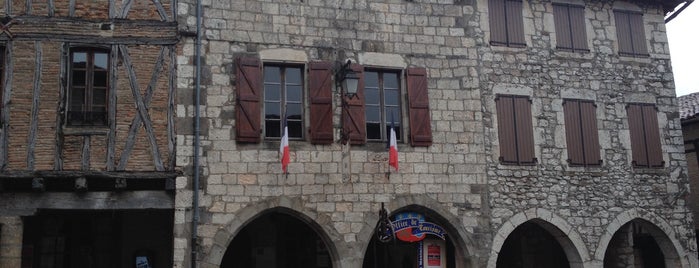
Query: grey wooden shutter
[563, 27]
[588, 122]
[578, 28]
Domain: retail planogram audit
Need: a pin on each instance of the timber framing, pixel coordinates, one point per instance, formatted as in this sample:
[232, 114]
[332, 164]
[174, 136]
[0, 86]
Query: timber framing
[48, 174]
[5, 113]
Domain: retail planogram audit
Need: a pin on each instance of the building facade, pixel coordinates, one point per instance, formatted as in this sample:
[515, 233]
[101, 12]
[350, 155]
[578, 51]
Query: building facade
[536, 133]
[87, 144]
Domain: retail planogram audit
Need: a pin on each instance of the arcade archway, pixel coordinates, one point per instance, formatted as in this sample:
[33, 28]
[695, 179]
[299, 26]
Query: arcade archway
[639, 243]
[532, 245]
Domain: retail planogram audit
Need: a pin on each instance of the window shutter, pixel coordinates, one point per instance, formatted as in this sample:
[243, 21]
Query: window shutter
[563, 27]
[574, 138]
[419, 107]
[638, 149]
[498, 30]
[623, 32]
[578, 28]
[638, 35]
[353, 121]
[248, 87]
[652, 131]
[588, 120]
[515, 23]
[506, 129]
[525, 131]
[320, 99]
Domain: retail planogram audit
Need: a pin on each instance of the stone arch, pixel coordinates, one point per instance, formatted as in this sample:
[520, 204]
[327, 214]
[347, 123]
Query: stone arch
[661, 230]
[567, 237]
[463, 241]
[292, 206]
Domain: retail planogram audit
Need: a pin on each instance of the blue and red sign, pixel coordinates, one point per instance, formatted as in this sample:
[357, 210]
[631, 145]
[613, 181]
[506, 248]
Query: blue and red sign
[412, 227]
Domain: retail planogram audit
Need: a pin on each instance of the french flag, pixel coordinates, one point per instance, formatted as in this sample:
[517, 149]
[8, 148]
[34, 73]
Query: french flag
[393, 148]
[284, 147]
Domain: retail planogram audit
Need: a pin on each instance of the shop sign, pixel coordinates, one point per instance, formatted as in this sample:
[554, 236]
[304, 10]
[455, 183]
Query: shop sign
[412, 227]
[432, 254]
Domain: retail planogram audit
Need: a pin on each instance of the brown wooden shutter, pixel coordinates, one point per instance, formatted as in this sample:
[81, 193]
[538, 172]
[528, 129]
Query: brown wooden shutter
[638, 148]
[563, 27]
[578, 28]
[525, 130]
[638, 35]
[574, 138]
[652, 133]
[419, 107]
[498, 28]
[353, 120]
[588, 121]
[506, 129]
[623, 32]
[248, 95]
[515, 23]
[320, 99]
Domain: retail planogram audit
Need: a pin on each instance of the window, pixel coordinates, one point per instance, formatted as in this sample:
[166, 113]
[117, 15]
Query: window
[283, 96]
[631, 33]
[645, 135]
[581, 133]
[570, 27]
[515, 130]
[506, 23]
[382, 101]
[87, 94]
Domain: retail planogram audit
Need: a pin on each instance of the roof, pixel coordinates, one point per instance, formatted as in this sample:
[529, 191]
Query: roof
[689, 106]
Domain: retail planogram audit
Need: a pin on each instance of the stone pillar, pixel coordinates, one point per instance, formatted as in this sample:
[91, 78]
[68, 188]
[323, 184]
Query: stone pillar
[11, 241]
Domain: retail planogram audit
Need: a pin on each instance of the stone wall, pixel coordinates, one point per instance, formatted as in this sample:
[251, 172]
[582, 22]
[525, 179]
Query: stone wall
[458, 177]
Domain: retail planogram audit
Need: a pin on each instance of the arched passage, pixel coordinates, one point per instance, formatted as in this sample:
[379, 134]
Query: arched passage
[560, 233]
[449, 251]
[640, 243]
[277, 238]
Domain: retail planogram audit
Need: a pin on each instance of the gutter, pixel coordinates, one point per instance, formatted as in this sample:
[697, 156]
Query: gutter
[197, 99]
[676, 13]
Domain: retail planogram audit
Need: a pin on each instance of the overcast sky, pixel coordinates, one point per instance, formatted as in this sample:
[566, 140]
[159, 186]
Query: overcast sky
[683, 35]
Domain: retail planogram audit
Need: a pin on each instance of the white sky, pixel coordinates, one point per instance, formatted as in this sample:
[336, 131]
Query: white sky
[683, 35]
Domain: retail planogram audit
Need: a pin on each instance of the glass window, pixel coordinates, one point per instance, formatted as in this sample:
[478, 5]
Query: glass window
[382, 102]
[283, 99]
[88, 87]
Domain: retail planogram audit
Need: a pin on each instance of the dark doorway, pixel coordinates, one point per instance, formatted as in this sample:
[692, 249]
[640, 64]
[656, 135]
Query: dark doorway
[98, 238]
[634, 246]
[277, 240]
[530, 245]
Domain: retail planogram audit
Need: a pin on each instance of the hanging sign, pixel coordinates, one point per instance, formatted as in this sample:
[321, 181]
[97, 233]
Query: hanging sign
[433, 253]
[412, 227]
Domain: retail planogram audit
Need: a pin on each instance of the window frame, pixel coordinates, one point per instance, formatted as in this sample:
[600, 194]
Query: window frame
[88, 103]
[571, 30]
[637, 42]
[502, 29]
[647, 147]
[582, 133]
[519, 134]
[384, 118]
[283, 101]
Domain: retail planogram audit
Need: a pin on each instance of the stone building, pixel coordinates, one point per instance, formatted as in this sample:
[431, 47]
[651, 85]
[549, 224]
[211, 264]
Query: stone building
[690, 130]
[87, 141]
[536, 133]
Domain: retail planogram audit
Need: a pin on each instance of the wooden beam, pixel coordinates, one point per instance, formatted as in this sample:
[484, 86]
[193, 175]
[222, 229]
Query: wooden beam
[111, 106]
[126, 6]
[26, 204]
[51, 174]
[5, 113]
[60, 116]
[172, 84]
[36, 96]
[71, 8]
[51, 8]
[161, 10]
[85, 154]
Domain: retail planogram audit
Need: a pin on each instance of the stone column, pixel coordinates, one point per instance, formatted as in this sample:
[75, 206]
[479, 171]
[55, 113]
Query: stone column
[11, 241]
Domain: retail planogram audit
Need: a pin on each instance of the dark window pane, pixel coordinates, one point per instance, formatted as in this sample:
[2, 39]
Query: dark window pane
[373, 131]
[391, 97]
[295, 129]
[272, 128]
[272, 92]
[77, 97]
[100, 79]
[390, 80]
[101, 61]
[371, 96]
[272, 110]
[294, 93]
[392, 114]
[373, 114]
[78, 78]
[272, 74]
[293, 76]
[396, 128]
[371, 79]
[99, 97]
[294, 111]
[79, 59]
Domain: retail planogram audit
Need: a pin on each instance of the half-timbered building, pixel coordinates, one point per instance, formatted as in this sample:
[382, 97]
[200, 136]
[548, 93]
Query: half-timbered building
[87, 137]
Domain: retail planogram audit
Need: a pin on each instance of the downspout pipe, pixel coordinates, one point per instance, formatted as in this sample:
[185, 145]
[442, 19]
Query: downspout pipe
[676, 13]
[197, 100]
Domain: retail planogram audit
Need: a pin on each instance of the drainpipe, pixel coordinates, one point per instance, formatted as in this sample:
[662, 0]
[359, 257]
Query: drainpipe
[674, 14]
[195, 181]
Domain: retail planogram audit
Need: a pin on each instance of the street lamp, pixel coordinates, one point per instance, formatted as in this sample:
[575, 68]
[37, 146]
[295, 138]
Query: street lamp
[347, 80]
